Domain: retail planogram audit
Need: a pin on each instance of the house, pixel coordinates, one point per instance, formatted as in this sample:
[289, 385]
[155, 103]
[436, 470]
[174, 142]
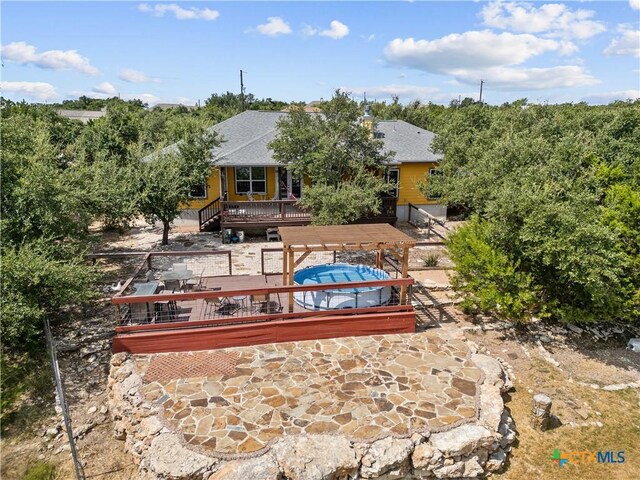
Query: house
[249, 188]
[85, 116]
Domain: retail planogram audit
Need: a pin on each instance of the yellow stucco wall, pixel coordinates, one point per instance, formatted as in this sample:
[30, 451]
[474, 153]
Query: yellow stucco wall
[271, 186]
[410, 175]
[213, 191]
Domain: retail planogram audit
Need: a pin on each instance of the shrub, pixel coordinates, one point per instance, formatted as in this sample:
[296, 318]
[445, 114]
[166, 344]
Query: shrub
[487, 279]
[431, 259]
[41, 471]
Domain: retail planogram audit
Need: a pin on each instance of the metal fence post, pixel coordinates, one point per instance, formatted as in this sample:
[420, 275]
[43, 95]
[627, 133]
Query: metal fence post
[77, 464]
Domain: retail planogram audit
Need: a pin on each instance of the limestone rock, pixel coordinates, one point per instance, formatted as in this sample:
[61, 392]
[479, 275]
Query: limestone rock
[496, 460]
[425, 455]
[472, 468]
[491, 406]
[455, 470]
[168, 459]
[119, 431]
[462, 440]
[385, 455]
[260, 468]
[318, 457]
[151, 426]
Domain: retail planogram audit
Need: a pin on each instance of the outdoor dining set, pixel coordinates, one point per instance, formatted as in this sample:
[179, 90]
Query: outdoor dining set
[179, 279]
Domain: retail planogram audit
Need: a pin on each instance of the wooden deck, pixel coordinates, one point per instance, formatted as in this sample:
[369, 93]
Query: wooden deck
[275, 213]
[196, 327]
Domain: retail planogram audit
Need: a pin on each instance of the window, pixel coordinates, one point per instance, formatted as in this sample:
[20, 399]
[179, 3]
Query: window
[251, 180]
[433, 172]
[393, 176]
[199, 191]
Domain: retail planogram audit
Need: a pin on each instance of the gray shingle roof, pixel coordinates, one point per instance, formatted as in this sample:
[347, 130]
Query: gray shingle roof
[411, 144]
[247, 135]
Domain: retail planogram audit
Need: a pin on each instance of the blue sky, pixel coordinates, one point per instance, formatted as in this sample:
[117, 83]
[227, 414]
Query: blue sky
[431, 51]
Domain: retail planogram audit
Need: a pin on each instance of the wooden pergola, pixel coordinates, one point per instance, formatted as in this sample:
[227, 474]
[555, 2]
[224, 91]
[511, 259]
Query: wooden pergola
[376, 237]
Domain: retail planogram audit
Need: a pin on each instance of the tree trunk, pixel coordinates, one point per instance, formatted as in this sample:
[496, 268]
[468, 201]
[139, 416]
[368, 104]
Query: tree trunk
[165, 232]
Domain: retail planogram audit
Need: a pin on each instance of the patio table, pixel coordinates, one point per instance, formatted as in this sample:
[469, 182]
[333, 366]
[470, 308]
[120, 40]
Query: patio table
[140, 310]
[182, 275]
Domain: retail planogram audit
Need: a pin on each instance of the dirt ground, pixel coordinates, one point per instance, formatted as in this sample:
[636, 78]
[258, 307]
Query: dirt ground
[613, 417]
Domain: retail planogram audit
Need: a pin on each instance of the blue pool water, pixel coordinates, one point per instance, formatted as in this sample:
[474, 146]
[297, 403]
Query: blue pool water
[335, 299]
[340, 273]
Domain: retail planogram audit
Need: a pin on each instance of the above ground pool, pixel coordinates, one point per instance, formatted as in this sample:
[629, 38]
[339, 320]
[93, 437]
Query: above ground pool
[359, 297]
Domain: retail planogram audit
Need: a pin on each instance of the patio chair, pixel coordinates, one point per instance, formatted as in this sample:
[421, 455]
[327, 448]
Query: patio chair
[166, 310]
[258, 302]
[270, 306]
[173, 286]
[220, 306]
[196, 284]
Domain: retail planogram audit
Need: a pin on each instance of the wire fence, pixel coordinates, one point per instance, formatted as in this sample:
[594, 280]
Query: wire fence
[77, 463]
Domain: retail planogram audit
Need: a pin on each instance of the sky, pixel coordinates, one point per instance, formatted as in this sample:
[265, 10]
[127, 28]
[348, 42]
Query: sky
[183, 51]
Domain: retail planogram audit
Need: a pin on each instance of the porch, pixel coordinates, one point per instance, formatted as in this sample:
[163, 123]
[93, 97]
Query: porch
[222, 213]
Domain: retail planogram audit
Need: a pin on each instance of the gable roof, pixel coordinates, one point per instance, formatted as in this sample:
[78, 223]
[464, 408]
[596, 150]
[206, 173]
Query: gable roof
[247, 135]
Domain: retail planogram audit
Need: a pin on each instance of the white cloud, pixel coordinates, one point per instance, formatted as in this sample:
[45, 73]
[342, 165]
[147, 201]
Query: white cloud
[408, 92]
[25, 54]
[473, 49]
[336, 31]
[627, 44]
[134, 76]
[190, 13]
[32, 90]
[368, 38]
[275, 26]
[473, 56]
[521, 78]
[608, 97]
[635, 4]
[106, 88]
[553, 19]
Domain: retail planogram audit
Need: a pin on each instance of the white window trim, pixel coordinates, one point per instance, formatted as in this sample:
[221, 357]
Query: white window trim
[206, 192]
[431, 173]
[235, 179]
[397, 188]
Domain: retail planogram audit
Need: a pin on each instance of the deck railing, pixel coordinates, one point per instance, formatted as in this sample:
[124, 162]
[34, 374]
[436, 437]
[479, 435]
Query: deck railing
[209, 212]
[208, 263]
[139, 313]
[262, 210]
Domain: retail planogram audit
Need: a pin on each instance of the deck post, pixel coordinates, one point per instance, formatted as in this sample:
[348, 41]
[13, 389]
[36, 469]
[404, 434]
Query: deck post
[291, 265]
[285, 267]
[405, 274]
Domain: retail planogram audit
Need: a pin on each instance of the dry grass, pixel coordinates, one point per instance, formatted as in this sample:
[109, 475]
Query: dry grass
[620, 414]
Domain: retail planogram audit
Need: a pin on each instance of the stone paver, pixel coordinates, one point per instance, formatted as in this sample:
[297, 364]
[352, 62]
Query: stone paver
[361, 387]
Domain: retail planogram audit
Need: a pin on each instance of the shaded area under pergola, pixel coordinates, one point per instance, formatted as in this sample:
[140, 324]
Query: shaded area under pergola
[378, 237]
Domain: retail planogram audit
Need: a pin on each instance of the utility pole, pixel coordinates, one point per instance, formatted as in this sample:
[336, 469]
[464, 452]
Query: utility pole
[241, 93]
[481, 84]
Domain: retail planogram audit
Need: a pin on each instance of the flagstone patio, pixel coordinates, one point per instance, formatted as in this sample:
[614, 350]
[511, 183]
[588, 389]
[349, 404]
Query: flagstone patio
[238, 401]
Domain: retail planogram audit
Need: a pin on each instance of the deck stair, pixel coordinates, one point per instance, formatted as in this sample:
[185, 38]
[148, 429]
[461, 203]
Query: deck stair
[209, 216]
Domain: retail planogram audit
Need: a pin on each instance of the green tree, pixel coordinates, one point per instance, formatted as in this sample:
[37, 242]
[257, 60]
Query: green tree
[36, 284]
[39, 199]
[487, 279]
[168, 177]
[340, 156]
[556, 188]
